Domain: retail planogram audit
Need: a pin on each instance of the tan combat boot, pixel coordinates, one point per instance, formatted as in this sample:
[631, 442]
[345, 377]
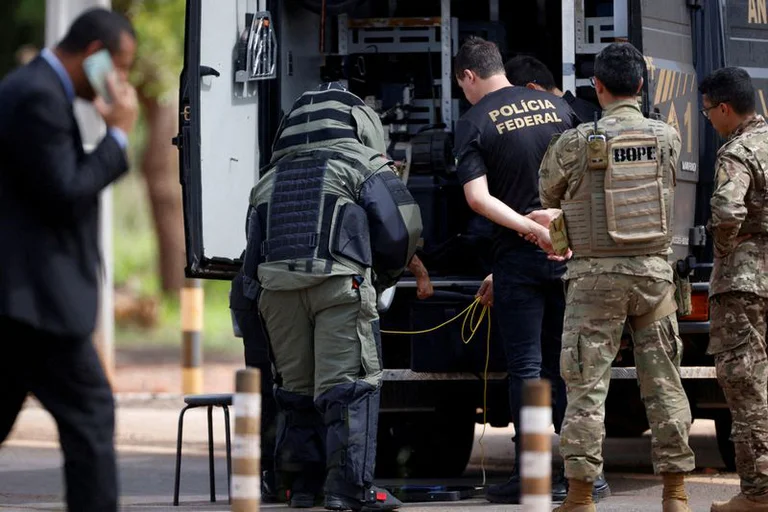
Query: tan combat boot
[674, 498]
[579, 497]
[742, 502]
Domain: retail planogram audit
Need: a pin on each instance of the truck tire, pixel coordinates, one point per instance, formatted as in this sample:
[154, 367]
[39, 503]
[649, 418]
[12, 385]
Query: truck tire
[432, 152]
[433, 444]
[724, 444]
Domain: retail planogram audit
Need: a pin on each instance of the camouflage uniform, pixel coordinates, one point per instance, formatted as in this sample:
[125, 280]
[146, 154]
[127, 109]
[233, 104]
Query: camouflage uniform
[602, 293]
[739, 296]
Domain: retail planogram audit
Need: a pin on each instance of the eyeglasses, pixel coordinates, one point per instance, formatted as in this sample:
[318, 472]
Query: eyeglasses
[592, 81]
[705, 110]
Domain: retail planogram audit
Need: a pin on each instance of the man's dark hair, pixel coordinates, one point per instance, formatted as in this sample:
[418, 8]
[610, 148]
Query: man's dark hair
[479, 56]
[96, 25]
[730, 85]
[525, 69]
[620, 67]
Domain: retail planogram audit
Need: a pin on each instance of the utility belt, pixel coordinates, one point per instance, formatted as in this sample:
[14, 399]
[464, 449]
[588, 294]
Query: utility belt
[680, 300]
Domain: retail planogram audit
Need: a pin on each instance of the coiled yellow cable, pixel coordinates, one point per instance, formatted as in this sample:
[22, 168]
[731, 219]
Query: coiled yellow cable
[469, 313]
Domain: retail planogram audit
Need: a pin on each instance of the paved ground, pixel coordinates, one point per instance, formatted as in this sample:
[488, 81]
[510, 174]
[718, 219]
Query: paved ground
[30, 475]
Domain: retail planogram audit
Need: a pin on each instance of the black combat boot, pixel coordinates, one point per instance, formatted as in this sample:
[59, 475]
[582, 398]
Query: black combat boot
[367, 499]
[300, 449]
[508, 492]
[268, 482]
[600, 488]
[307, 487]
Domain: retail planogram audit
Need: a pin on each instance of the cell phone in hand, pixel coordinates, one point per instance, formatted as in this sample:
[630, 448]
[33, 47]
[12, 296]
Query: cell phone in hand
[97, 67]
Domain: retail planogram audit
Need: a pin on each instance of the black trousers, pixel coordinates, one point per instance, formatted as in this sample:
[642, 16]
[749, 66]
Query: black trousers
[529, 290]
[256, 348]
[66, 376]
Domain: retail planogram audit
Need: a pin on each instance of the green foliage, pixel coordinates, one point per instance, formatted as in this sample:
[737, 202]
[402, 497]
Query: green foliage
[159, 28]
[135, 257]
[31, 13]
[21, 22]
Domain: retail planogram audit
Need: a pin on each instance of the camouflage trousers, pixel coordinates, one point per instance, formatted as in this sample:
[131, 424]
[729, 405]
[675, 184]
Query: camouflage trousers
[737, 339]
[596, 310]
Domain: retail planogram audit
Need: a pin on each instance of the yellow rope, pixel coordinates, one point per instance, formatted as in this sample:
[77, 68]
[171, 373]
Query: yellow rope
[471, 307]
[469, 313]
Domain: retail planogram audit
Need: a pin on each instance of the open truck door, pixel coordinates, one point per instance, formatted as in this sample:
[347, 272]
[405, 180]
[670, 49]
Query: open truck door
[230, 49]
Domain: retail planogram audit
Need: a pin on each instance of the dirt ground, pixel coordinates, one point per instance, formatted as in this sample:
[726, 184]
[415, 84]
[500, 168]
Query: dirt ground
[158, 371]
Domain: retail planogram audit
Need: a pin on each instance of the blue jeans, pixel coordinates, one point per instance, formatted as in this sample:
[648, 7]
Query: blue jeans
[529, 305]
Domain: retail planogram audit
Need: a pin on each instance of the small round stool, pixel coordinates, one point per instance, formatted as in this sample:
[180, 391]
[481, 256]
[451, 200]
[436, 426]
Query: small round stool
[210, 401]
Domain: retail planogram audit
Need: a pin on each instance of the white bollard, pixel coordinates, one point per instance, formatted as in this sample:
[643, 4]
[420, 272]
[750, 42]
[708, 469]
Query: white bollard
[246, 443]
[536, 455]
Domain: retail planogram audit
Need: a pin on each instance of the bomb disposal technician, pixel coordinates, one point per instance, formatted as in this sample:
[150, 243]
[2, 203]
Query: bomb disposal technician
[330, 224]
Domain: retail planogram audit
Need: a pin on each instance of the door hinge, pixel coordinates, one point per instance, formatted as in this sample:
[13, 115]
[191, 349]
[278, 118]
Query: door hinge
[697, 236]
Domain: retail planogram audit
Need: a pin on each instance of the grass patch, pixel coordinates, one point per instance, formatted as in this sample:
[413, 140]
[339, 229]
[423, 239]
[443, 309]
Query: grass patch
[217, 326]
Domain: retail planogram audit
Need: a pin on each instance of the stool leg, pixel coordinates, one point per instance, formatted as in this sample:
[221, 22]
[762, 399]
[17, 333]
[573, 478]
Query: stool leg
[211, 473]
[229, 453]
[177, 480]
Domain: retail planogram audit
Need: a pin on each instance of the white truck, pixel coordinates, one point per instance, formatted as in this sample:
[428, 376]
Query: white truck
[247, 60]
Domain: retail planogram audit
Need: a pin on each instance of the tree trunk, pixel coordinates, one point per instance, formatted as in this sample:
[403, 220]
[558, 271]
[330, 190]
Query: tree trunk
[160, 168]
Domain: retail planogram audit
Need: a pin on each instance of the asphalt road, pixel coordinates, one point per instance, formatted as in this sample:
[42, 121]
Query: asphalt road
[31, 478]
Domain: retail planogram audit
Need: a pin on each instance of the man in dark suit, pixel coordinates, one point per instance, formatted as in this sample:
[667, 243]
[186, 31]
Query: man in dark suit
[49, 252]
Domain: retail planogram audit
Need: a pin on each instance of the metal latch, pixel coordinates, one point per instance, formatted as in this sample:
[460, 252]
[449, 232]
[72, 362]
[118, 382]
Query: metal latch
[256, 49]
[187, 112]
[697, 236]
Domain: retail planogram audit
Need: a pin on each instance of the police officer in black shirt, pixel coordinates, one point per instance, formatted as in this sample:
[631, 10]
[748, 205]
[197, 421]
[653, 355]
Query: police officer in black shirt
[500, 143]
[530, 72]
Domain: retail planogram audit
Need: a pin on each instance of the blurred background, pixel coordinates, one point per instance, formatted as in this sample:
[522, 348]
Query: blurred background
[148, 227]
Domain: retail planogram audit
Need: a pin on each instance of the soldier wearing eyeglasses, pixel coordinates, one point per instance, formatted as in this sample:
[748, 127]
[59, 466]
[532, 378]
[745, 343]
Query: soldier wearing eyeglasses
[739, 282]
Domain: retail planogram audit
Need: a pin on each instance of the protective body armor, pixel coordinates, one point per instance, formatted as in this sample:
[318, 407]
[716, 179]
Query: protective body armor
[751, 149]
[623, 203]
[329, 203]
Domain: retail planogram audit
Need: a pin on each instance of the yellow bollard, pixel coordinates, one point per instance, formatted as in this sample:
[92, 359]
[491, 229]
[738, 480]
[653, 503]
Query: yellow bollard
[191, 337]
[536, 456]
[246, 443]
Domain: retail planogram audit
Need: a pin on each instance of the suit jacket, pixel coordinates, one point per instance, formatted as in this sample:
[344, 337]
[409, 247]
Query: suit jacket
[49, 210]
